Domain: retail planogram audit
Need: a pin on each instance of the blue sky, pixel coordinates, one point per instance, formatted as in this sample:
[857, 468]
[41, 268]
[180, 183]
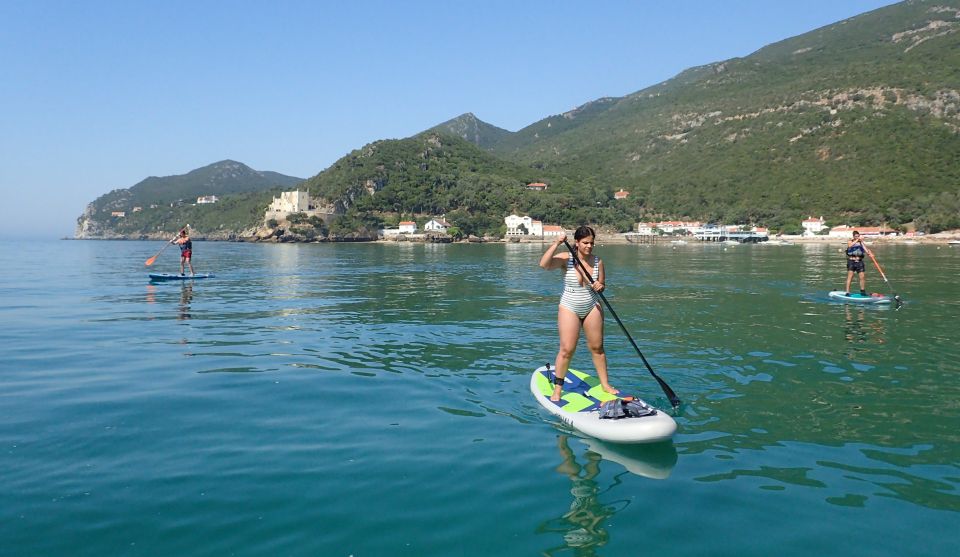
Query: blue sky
[98, 95]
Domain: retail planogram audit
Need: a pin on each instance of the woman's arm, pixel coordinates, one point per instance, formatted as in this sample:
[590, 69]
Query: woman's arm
[551, 259]
[601, 281]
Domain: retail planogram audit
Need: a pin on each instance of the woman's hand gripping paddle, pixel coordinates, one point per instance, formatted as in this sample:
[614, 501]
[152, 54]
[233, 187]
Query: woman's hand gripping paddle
[674, 399]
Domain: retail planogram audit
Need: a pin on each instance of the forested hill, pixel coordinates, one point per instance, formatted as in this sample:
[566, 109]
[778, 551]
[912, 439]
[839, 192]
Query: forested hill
[469, 127]
[164, 203]
[858, 121]
[438, 173]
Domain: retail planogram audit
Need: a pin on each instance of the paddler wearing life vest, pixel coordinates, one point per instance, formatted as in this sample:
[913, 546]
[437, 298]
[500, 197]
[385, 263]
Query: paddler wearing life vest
[856, 251]
[186, 250]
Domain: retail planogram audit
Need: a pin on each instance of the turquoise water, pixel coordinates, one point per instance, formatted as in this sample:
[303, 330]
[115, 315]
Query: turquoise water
[372, 399]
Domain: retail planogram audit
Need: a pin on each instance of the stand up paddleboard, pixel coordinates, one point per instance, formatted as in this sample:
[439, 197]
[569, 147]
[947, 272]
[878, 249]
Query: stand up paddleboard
[170, 276]
[579, 408]
[858, 298]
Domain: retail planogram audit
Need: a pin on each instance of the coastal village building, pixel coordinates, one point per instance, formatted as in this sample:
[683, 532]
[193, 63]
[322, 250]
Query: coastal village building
[291, 202]
[537, 186]
[553, 230]
[436, 225]
[621, 194]
[119, 214]
[407, 227]
[206, 199]
[646, 228]
[678, 226]
[514, 223]
[812, 226]
[846, 232]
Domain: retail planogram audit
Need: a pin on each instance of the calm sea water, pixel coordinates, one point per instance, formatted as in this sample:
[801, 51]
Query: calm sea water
[372, 400]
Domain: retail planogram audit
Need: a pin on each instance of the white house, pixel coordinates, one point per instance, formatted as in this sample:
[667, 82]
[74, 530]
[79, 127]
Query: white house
[553, 230]
[812, 226]
[532, 227]
[205, 199]
[846, 232]
[408, 227]
[436, 225]
[646, 228]
[672, 226]
[513, 223]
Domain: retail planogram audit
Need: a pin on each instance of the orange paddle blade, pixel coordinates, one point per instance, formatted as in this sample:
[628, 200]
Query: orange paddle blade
[150, 261]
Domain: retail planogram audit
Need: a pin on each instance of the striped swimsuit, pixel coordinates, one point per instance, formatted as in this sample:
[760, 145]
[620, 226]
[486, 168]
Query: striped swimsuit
[579, 299]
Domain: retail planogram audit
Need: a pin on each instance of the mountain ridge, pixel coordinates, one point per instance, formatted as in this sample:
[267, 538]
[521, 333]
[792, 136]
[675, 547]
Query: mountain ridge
[858, 120]
[150, 201]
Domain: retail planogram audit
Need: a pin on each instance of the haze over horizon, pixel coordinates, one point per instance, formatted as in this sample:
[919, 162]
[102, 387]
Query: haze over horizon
[104, 94]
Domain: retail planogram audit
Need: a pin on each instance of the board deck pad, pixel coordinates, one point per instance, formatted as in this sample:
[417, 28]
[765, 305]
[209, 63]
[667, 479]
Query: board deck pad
[581, 392]
[579, 408]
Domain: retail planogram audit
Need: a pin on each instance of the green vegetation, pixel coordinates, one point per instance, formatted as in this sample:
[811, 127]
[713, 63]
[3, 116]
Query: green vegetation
[164, 204]
[232, 213]
[858, 121]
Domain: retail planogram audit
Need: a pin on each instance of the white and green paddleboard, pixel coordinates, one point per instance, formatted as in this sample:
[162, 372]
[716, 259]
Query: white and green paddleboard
[579, 408]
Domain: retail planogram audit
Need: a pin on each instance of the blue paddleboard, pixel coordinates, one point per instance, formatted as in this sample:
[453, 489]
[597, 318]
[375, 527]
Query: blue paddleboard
[858, 298]
[170, 276]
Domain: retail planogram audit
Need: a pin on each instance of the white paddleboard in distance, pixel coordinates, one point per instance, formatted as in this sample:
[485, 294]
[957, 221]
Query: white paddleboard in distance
[858, 298]
[579, 404]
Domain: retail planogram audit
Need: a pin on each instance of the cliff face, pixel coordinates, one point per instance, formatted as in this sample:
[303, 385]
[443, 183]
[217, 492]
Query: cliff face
[89, 228]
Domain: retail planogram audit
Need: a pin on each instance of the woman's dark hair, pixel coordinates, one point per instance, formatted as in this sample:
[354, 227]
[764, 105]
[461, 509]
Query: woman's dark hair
[583, 232]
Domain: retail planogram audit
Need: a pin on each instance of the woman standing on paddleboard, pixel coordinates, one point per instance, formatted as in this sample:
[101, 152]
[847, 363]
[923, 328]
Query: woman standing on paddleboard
[579, 305]
[186, 249]
[855, 254]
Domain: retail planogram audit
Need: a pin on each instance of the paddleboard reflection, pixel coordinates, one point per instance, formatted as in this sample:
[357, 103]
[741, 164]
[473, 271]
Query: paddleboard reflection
[582, 526]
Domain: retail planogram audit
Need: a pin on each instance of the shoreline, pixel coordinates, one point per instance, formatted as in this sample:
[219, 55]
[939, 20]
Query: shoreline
[941, 238]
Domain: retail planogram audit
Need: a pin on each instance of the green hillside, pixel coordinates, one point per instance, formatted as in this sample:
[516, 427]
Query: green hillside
[859, 121]
[161, 205]
[437, 173]
[469, 127]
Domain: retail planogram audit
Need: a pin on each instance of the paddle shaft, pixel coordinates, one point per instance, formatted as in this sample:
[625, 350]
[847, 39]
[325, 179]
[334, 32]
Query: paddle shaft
[674, 399]
[877, 265]
[154, 258]
[150, 261]
[874, 259]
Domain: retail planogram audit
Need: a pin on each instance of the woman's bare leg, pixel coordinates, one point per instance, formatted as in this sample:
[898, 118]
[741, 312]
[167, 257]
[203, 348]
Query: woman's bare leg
[569, 326]
[593, 330]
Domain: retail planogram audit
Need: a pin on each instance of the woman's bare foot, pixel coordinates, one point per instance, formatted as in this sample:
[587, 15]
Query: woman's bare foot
[555, 397]
[611, 390]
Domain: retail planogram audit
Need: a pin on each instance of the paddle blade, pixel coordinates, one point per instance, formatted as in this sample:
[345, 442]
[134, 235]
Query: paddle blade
[150, 261]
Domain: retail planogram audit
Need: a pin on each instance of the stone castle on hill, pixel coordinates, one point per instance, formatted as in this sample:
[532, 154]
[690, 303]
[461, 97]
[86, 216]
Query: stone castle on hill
[291, 202]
